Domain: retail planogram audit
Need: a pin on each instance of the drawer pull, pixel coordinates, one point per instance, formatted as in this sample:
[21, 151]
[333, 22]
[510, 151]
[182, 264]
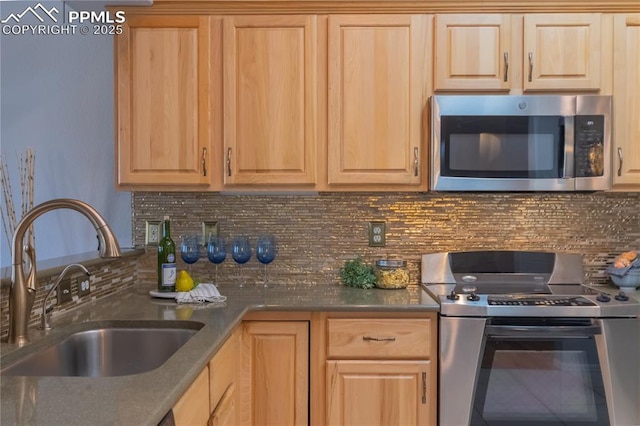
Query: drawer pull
[379, 339]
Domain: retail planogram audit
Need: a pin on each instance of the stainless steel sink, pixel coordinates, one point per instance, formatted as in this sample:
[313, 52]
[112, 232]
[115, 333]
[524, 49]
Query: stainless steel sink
[114, 348]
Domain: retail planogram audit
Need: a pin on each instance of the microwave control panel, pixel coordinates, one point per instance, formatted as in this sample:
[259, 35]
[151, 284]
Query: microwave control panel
[589, 145]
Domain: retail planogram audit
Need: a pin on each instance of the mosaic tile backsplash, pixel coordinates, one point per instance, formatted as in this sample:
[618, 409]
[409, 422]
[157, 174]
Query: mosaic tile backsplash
[106, 279]
[317, 233]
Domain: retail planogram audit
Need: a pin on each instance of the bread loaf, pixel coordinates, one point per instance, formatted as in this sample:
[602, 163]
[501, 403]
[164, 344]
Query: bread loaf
[625, 259]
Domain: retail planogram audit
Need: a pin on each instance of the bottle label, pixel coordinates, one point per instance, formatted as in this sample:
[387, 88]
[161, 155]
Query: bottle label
[168, 274]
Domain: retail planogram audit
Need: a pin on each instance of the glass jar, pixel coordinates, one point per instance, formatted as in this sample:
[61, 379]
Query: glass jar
[392, 273]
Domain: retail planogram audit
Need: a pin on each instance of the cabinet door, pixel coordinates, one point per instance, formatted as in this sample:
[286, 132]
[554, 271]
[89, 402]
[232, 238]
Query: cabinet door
[275, 373]
[473, 52]
[379, 393]
[162, 87]
[193, 407]
[270, 99]
[562, 51]
[224, 413]
[223, 379]
[378, 70]
[626, 87]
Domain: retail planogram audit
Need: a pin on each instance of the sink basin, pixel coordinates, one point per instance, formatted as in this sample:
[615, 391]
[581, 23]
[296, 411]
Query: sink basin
[114, 348]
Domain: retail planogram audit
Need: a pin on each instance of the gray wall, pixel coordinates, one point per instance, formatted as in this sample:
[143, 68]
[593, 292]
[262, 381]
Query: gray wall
[57, 97]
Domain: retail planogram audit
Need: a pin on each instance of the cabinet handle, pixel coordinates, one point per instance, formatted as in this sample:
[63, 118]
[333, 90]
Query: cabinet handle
[416, 163]
[619, 161]
[506, 66]
[379, 339]
[229, 162]
[530, 66]
[424, 387]
[204, 161]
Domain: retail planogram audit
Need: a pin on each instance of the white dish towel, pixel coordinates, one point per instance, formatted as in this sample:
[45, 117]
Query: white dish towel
[204, 292]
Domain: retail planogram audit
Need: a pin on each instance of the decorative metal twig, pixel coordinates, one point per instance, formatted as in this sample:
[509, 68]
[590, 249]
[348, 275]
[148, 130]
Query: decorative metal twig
[26, 169]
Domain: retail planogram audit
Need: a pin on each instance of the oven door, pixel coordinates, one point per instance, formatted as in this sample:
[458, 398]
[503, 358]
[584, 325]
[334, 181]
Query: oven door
[540, 371]
[498, 143]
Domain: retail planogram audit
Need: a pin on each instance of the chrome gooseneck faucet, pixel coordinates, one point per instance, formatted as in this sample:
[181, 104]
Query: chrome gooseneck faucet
[23, 288]
[44, 320]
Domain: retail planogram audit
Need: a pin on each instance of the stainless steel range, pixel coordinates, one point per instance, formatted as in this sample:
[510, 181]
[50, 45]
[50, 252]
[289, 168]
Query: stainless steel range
[524, 342]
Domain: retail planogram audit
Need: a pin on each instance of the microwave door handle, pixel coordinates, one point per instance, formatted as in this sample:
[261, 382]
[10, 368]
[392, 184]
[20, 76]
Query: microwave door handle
[568, 169]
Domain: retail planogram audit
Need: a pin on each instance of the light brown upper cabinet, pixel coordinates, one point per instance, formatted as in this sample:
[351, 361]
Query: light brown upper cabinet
[270, 83]
[378, 73]
[162, 92]
[516, 53]
[626, 95]
[473, 52]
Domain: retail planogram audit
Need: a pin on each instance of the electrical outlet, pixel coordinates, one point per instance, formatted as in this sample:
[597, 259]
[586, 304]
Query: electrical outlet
[209, 229]
[84, 286]
[64, 292]
[377, 234]
[153, 233]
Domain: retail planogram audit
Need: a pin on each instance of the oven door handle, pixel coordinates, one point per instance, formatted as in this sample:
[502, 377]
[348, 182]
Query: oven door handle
[542, 331]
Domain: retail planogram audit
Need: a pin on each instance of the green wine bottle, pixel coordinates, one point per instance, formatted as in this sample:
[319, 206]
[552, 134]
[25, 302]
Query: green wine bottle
[166, 259]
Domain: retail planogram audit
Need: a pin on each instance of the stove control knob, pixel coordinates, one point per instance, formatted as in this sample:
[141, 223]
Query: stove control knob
[603, 297]
[473, 297]
[453, 295]
[622, 297]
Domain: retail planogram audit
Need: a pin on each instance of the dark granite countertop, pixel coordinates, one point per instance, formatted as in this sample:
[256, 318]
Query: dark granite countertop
[143, 399]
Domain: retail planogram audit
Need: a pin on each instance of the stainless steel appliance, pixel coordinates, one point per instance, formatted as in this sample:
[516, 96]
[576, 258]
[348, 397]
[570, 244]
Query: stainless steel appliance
[524, 342]
[520, 143]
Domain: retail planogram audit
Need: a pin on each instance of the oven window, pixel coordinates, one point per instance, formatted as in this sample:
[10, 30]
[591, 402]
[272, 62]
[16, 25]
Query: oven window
[540, 382]
[502, 146]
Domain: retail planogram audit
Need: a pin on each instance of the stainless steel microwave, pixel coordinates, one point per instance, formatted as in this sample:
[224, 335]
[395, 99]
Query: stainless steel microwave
[520, 143]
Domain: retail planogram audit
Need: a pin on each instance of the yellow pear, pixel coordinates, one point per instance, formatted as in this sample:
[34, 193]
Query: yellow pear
[184, 282]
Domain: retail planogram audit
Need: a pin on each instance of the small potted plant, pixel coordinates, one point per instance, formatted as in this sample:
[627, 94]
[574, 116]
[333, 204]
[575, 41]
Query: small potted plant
[356, 273]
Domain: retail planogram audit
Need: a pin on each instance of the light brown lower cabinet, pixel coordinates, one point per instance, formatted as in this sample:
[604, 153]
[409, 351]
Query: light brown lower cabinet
[378, 392]
[381, 370]
[225, 412]
[212, 398]
[193, 407]
[223, 377]
[320, 368]
[275, 373]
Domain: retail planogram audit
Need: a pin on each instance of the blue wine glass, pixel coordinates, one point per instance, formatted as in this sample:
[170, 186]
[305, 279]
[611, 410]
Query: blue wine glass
[266, 252]
[241, 253]
[216, 252]
[190, 250]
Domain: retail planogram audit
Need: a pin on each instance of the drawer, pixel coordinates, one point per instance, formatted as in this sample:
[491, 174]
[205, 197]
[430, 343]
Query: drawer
[379, 338]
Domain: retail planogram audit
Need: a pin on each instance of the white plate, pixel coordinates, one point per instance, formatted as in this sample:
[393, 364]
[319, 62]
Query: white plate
[163, 294]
